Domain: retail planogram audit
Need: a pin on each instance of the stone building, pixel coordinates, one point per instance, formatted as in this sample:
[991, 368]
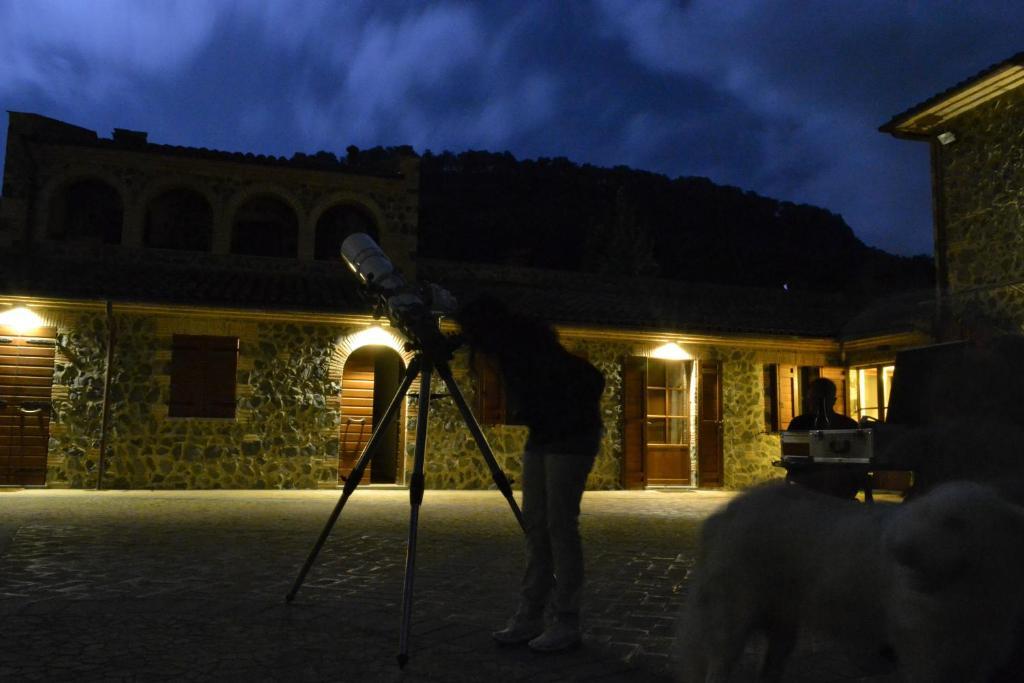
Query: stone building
[975, 132]
[175, 317]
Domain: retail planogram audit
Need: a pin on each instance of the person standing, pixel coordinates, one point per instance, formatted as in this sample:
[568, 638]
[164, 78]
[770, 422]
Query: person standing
[557, 396]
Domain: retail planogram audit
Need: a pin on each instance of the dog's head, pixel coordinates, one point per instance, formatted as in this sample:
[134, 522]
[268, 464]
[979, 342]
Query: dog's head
[959, 532]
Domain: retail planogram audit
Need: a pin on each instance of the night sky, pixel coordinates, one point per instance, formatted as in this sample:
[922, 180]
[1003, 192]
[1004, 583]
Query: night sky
[783, 98]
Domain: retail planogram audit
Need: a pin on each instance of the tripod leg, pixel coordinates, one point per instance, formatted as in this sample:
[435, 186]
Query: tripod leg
[415, 499]
[481, 441]
[357, 472]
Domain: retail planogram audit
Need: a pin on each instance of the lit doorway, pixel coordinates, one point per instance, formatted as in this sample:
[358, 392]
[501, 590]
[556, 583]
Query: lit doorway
[371, 376]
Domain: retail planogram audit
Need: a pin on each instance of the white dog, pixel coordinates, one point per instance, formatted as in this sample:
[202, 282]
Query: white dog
[936, 582]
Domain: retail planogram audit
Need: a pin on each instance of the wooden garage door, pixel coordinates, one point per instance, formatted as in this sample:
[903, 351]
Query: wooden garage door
[26, 378]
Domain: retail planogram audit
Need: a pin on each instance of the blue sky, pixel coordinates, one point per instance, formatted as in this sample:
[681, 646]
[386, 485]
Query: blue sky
[780, 97]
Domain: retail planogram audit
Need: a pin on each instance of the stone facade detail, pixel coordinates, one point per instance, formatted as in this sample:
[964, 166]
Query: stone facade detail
[285, 434]
[748, 451]
[983, 202]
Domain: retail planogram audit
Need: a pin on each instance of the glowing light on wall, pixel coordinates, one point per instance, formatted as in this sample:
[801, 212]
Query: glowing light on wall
[20, 319]
[671, 351]
[374, 336]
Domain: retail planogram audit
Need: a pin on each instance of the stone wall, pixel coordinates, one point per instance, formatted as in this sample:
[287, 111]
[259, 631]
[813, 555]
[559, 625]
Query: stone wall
[983, 200]
[748, 451]
[284, 434]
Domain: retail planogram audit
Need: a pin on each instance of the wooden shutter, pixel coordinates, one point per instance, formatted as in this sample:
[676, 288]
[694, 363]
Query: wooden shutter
[490, 403]
[709, 445]
[203, 372]
[26, 382]
[788, 409]
[771, 397]
[808, 373]
[635, 415]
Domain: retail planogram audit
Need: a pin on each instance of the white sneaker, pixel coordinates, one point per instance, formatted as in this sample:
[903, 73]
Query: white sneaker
[557, 637]
[519, 629]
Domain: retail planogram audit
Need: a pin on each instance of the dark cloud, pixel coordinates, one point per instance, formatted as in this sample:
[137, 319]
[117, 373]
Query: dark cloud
[783, 98]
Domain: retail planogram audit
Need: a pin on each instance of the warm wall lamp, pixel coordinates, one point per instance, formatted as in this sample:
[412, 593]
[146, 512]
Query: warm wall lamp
[20, 319]
[374, 336]
[670, 351]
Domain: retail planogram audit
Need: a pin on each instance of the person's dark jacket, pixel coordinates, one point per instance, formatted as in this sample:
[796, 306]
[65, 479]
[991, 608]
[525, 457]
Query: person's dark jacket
[556, 394]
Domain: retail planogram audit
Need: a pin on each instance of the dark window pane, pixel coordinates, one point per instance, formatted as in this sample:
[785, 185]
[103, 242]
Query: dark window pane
[677, 433]
[655, 372]
[655, 401]
[656, 431]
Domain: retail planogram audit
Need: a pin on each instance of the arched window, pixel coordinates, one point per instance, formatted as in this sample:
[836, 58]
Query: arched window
[87, 211]
[265, 226]
[335, 225]
[179, 219]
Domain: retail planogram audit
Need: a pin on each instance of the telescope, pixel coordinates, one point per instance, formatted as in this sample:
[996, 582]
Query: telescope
[413, 309]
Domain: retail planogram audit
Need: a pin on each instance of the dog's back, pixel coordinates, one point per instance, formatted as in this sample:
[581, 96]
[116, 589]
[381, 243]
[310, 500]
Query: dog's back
[776, 558]
[913, 576]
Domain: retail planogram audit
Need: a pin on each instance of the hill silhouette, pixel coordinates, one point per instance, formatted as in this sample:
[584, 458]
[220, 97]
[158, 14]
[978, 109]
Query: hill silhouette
[488, 207]
[553, 213]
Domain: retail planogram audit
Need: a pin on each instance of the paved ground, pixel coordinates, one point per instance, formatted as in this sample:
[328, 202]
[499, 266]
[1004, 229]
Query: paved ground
[189, 586]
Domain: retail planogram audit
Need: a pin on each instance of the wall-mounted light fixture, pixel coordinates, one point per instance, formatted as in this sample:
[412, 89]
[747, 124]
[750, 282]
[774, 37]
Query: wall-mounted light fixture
[374, 336]
[946, 138]
[671, 351]
[20, 319]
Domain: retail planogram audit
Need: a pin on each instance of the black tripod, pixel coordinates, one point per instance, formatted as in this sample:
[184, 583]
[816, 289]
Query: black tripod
[428, 358]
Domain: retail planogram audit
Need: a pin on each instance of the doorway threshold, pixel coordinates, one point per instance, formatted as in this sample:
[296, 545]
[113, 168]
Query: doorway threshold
[670, 488]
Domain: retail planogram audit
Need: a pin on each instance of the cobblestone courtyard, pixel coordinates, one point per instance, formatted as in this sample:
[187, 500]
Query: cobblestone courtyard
[190, 585]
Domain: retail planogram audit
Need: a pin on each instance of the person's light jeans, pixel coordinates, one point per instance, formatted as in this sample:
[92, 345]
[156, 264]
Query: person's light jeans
[553, 486]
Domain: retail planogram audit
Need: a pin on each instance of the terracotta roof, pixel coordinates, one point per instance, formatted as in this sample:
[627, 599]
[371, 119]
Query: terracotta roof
[185, 278]
[911, 311]
[643, 303]
[900, 124]
[630, 304]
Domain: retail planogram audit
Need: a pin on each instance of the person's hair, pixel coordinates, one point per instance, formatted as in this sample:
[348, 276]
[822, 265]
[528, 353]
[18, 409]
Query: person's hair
[822, 388]
[488, 324]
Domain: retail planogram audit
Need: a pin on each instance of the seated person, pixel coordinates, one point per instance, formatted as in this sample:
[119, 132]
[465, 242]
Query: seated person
[837, 480]
[821, 395]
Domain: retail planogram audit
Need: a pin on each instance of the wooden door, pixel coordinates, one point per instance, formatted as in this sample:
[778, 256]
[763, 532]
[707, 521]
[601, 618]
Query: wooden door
[26, 381]
[667, 424]
[635, 414]
[709, 445]
[387, 376]
[369, 381]
[356, 411]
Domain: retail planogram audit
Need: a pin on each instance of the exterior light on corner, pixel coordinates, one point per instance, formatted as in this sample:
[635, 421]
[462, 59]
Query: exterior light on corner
[946, 138]
[670, 351]
[20, 319]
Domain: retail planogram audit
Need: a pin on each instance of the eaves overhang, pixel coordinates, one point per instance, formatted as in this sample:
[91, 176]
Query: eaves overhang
[928, 118]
